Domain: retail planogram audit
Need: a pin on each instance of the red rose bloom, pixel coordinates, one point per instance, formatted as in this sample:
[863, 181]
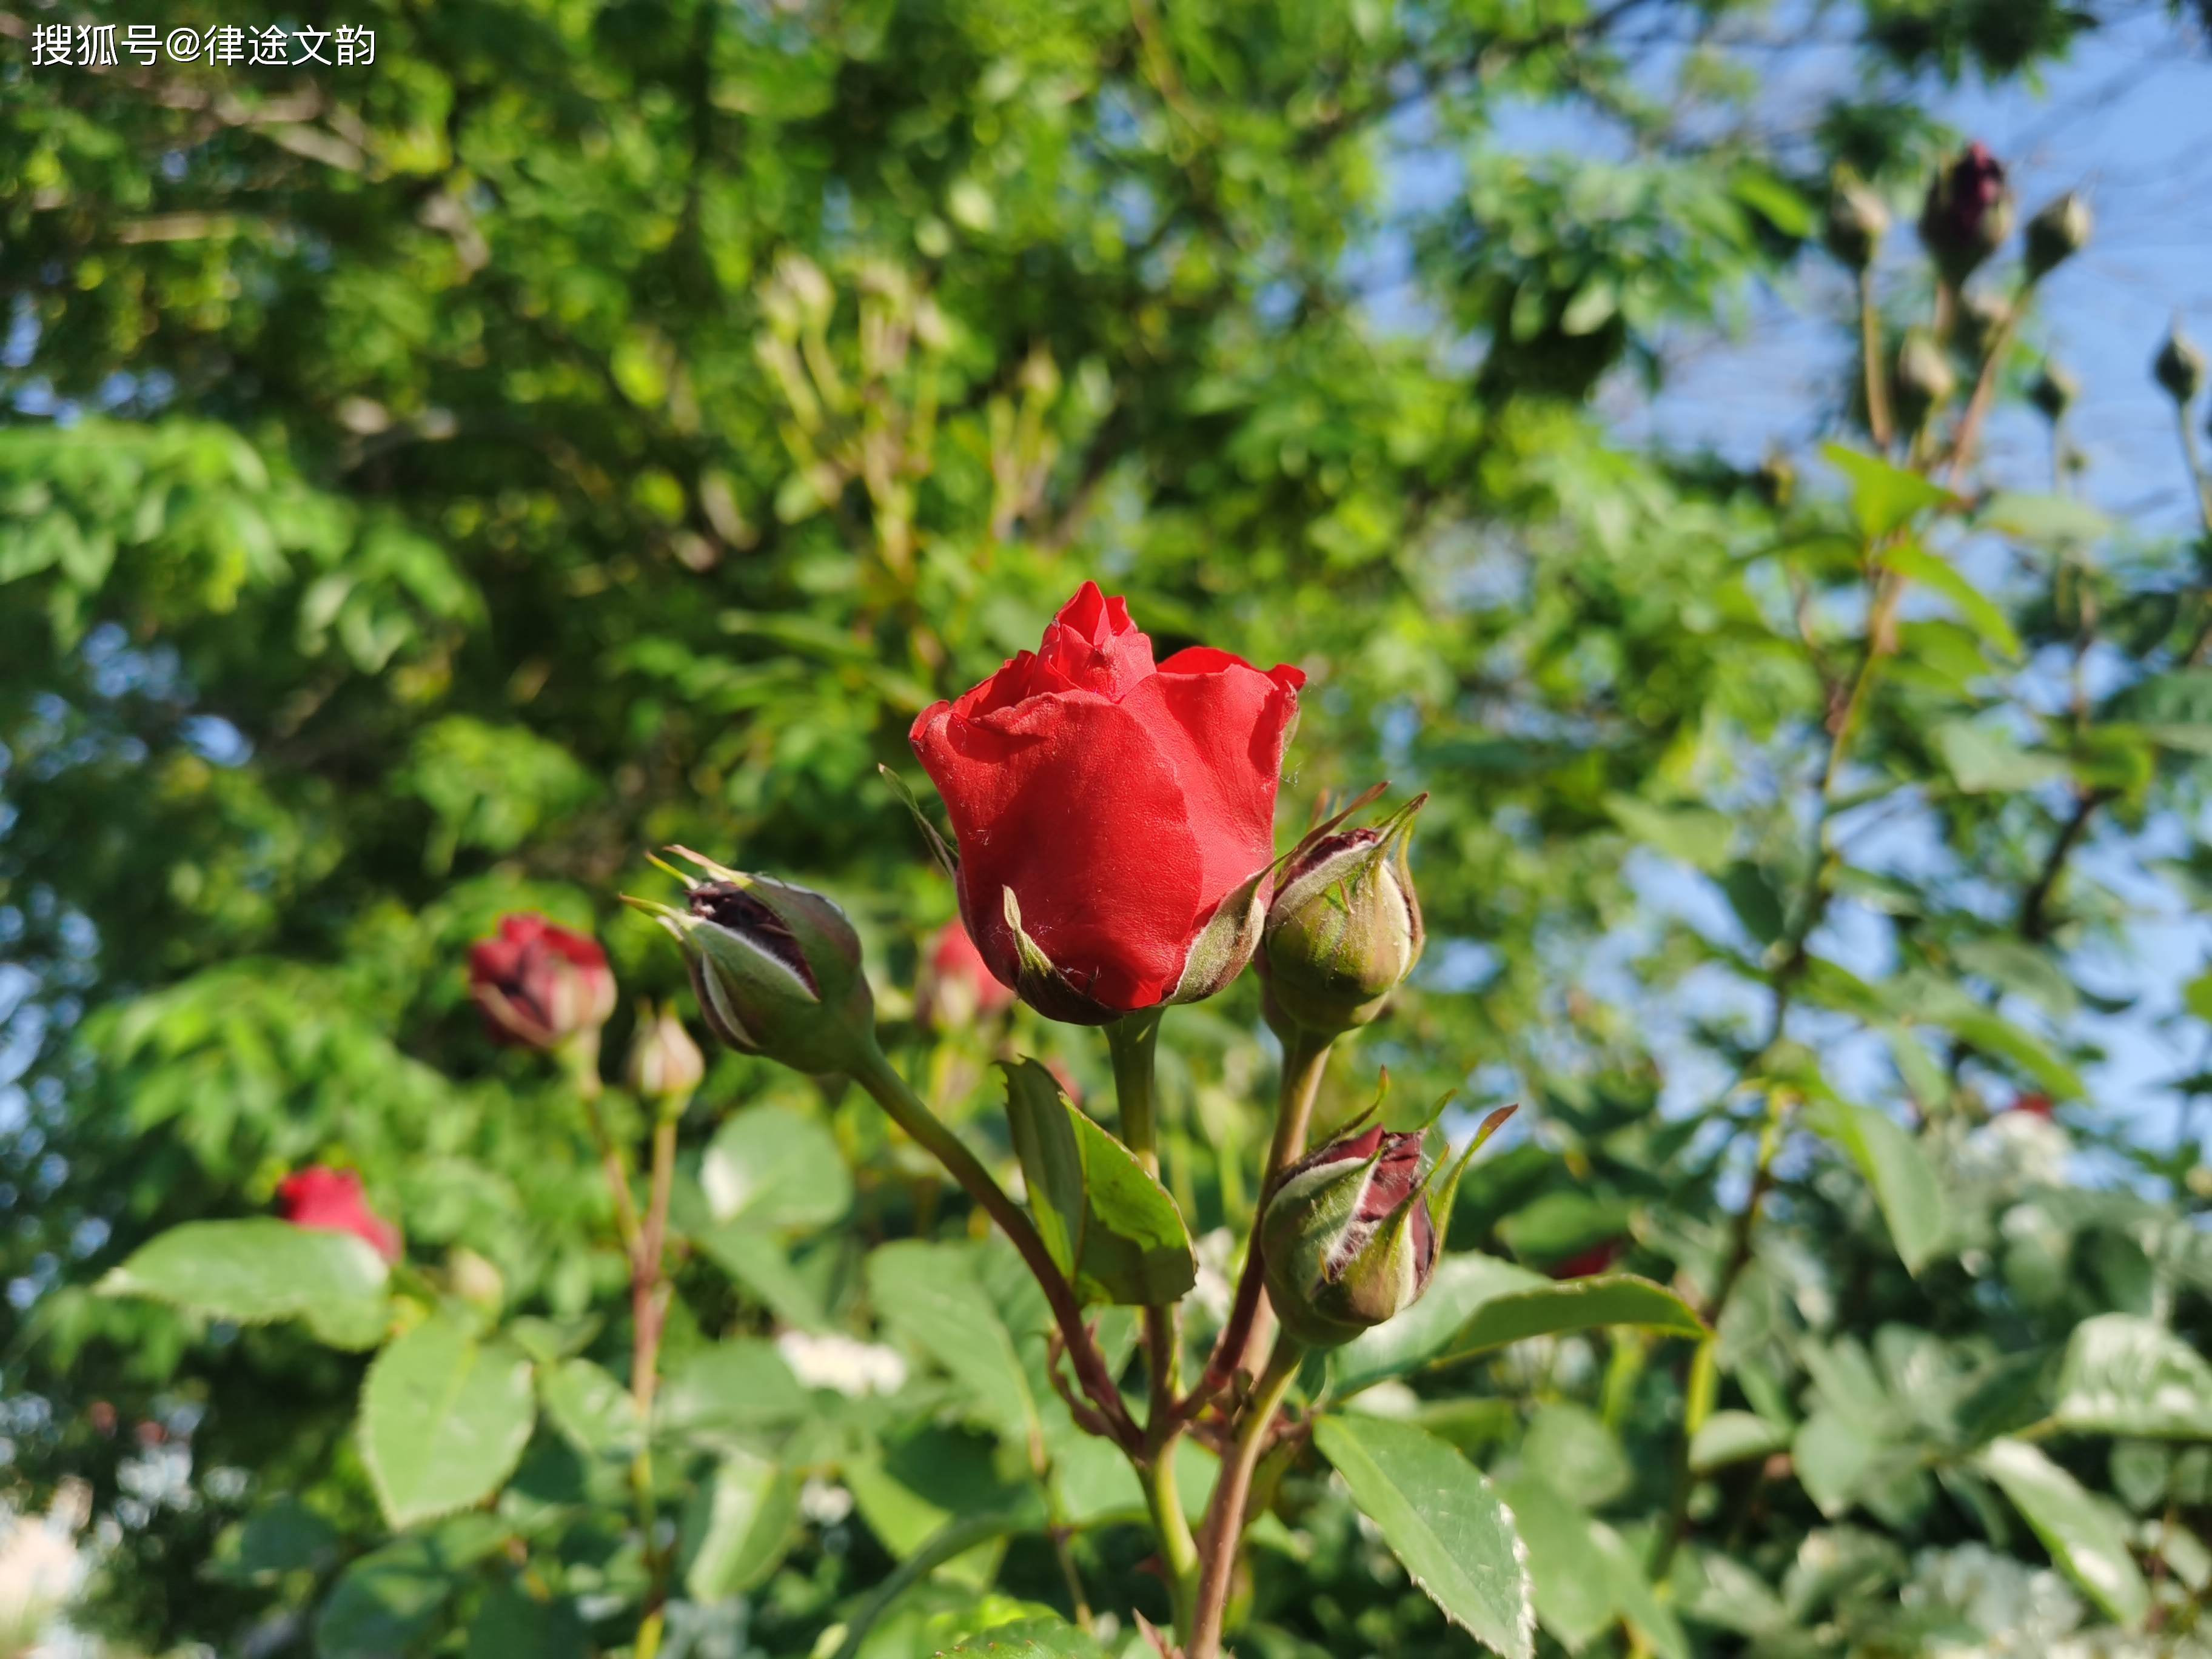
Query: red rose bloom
[330, 1201]
[1106, 811]
[958, 985]
[539, 985]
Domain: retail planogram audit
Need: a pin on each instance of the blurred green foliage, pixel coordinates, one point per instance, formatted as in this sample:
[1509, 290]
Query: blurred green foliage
[602, 423]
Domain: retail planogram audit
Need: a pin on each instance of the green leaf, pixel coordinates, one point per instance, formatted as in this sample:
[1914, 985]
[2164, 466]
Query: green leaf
[256, 1271]
[730, 1392]
[2081, 1531]
[1111, 1227]
[929, 1294]
[1572, 1602]
[773, 1166]
[739, 1527]
[386, 1600]
[1575, 1304]
[1462, 1282]
[2129, 1375]
[1904, 1182]
[1982, 613]
[444, 1417]
[1757, 902]
[593, 1412]
[511, 1624]
[758, 1262]
[1030, 1638]
[2049, 520]
[1570, 1446]
[1697, 836]
[1983, 760]
[1733, 1437]
[1884, 498]
[1442, 1520]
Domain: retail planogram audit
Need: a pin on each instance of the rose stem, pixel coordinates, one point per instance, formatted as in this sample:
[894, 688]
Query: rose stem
[1134, 1043]
[583, 1061]
[648, 1312]
[1305, 1058]
[877, 1075]
[1224, 1515]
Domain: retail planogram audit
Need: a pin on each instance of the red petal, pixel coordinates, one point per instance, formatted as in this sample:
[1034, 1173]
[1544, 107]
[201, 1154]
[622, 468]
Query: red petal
[1070, 801]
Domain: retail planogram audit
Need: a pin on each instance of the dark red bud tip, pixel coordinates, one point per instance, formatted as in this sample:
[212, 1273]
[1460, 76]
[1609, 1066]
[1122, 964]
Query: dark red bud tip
[728, 905]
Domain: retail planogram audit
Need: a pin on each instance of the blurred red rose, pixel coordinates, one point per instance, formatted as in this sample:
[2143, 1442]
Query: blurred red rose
[1595, 1260]
[330, 1200]
[1119, 804]
[539, 985]
[956, 984]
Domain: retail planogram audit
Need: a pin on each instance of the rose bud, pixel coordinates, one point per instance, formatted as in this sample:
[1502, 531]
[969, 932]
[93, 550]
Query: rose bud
[1345, 927]
[1346, 1240]
[539, 985]
[2179, 366]
[957, 985]
[664, 1065]
[1858, 220]
[330, 1200]
[2054, 392]
[1968, 213]
[1982, 320]
[1115, 819]
[1924, 380]
[2059, 230]
[776, 968]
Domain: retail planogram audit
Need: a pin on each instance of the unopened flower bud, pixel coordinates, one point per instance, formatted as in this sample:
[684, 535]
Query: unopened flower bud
[2179, 366]
[1346, 1240]
[2054, 392]
[1344, 928]
[541, 986]
[1776, 479]
[2059, 230]
[1981, 323]
[1858, 220]
[776, 968]
[474, 1280]
[1968, 213]
[664, 1064]
[1924, 379]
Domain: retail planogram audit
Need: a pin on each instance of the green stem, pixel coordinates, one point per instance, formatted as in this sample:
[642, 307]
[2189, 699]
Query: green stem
[1305, 1057]
[1134, 1044]
[582, 1061]
[954, 1538]
[648, 1311]
[877, 1075]
[1225, 1514]
[1178, 1548]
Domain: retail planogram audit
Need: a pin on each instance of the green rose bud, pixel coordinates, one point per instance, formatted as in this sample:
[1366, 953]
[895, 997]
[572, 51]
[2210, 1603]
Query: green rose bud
[664, 1064]
[2054, 392]
[776, 968]
[1344, 928]
[2059, 230]
[1857, 220]
[1346, 1241]
[1924, 379]
[2179, 366]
